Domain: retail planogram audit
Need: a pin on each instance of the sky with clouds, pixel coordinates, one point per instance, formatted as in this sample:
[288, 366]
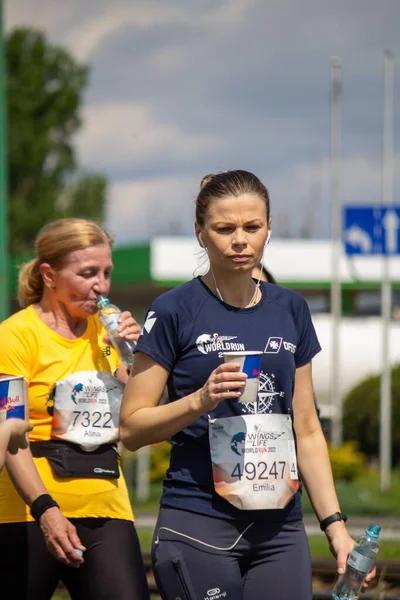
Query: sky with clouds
[180, 88]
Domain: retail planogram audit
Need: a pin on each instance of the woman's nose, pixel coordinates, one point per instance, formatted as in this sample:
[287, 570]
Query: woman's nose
[239, 238]
[101, 285]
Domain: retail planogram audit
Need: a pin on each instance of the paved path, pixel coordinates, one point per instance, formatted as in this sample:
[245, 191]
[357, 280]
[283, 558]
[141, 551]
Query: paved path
[355, 525]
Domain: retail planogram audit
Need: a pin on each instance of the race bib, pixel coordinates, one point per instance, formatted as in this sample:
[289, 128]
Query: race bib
[86, 409]
[254, 460]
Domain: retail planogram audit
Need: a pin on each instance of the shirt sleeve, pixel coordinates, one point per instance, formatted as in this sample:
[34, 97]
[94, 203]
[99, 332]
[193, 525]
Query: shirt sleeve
[15, 353]
[308, 345]
[159, 338]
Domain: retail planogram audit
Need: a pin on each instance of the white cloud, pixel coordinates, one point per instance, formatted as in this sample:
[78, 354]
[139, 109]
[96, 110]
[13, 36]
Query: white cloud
[86, 38]
[126, 135]
[179, 89]
[145, 207]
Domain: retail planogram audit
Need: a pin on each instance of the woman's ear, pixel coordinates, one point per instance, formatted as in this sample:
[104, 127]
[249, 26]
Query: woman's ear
[199, 236]
[47, 274]
[201, 241]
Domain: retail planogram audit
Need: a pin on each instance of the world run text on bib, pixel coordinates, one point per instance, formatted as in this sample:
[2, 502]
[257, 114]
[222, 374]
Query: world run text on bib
[86, 409]
[254, 460]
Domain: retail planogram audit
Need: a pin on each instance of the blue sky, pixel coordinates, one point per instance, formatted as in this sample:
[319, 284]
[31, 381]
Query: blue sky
[181, 88]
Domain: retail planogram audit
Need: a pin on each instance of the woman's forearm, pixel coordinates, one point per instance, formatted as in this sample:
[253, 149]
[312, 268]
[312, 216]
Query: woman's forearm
[316, 472]
[150, 425]
[4, 441]
[25, 476]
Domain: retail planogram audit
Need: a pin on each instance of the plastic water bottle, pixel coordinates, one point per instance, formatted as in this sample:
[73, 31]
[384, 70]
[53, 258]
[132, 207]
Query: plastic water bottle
[109, 315]
[359, 563]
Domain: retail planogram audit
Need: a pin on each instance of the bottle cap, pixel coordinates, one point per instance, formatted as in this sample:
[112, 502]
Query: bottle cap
[373, 530]
[102, 301]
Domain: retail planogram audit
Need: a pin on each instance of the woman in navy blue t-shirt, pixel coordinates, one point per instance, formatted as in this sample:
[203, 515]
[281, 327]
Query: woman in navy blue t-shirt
[230, 522]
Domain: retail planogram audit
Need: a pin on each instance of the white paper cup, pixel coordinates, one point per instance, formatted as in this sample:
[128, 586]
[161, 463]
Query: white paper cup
[250, 364]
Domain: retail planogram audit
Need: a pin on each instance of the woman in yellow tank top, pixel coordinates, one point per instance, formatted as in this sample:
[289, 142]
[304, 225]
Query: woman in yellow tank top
[69, 481]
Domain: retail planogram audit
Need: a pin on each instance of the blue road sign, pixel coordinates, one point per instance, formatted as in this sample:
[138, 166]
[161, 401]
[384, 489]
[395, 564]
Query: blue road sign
[371, 230]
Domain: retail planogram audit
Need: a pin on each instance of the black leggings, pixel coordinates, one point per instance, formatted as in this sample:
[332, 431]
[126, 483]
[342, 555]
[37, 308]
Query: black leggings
[221, 559]
[113, 567]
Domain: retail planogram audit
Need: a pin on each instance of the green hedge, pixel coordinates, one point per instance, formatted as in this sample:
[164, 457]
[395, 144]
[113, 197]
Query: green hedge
[361, 415]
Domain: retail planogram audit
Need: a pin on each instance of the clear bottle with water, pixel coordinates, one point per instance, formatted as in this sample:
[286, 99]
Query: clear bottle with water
[109, 315]
[359, 563]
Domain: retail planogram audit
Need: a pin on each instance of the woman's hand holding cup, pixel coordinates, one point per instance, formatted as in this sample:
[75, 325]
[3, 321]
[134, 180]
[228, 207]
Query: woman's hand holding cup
[225, 382]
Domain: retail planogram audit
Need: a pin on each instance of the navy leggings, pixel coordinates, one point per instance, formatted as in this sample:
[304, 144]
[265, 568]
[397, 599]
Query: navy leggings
[113, 567]
[204, 558]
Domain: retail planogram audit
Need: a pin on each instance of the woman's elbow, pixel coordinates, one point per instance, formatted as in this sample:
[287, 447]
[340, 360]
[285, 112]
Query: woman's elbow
[128, 438]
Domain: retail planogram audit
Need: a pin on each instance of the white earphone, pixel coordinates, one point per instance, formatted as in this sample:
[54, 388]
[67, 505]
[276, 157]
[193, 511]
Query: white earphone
[267, 240]
[201, 241]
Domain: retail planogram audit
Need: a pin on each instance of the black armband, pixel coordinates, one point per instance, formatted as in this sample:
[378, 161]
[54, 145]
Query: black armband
[41, 504]
[338, 516]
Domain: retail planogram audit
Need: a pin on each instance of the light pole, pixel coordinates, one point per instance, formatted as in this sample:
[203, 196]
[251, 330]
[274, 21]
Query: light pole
[336, 242]
[4, 296]
[385, 421]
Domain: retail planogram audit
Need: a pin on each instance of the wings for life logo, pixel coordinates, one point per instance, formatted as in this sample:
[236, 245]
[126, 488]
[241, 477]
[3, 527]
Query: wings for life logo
[213, 342]
[90, 394]
[256, 441]
[77, 389]
[237, 442]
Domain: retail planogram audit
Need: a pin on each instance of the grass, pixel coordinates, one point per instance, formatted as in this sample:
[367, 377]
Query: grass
[363, 496]
[388, 550]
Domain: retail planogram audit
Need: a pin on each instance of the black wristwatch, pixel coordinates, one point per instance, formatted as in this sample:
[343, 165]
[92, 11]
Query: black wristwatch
[337, 516]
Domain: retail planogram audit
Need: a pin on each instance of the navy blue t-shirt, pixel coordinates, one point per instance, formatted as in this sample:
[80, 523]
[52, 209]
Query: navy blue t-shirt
[186, 331]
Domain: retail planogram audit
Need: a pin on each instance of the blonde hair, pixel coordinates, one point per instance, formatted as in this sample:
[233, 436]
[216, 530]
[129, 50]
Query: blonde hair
[54, 242]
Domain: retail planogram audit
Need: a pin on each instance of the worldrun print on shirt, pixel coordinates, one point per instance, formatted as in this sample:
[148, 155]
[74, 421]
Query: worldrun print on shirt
[187, 330]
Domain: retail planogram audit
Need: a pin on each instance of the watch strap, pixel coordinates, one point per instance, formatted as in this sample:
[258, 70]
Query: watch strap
[337, 516]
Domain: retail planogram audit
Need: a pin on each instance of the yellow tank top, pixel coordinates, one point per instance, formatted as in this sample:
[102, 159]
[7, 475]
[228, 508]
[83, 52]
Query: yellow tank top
[30, 348]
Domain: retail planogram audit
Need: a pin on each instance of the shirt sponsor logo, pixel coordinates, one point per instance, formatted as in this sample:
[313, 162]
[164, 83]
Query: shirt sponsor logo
[289, 347]
[149, 323]
[213, 342]
[274, 344]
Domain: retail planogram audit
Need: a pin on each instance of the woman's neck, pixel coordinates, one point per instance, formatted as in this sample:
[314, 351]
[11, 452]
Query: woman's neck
[57, 318]
[240, 291]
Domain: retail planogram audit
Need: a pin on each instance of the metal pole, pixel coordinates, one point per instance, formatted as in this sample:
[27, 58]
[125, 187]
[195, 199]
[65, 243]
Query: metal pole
[336, 241]
[4, 296]
[143, 473]
[385, 438]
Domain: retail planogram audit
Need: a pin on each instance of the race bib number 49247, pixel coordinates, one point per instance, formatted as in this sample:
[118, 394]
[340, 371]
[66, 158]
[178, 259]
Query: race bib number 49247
[254, 460]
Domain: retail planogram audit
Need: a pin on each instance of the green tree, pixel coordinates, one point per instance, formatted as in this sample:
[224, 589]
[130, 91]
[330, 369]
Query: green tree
[45, 85]
[361, 415]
